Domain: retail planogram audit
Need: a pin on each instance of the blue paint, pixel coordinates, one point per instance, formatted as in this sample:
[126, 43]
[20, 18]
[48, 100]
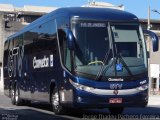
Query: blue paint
[64, 74]
[119, 67]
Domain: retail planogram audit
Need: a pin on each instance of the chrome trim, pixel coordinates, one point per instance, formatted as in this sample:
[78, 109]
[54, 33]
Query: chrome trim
[109, 91]
[120, 92]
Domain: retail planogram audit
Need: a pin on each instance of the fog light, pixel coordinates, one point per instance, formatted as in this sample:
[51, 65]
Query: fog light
[79, 99]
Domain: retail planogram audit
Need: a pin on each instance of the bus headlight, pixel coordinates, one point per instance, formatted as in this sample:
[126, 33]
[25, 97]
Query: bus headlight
[80, 86]
[143, 87]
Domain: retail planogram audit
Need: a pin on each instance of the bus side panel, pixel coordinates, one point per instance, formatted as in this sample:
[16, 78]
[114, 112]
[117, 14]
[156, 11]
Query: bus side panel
[41, 62]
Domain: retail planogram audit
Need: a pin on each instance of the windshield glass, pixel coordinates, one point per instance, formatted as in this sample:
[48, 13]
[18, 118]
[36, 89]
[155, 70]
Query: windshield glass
[128, 41]
[92, 42]
[98, 44]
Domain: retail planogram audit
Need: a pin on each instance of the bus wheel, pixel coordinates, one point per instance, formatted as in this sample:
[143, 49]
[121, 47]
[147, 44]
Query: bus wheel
[13, 96]
[55, 101]
[10, 90]
[17, 96]
[116, 110]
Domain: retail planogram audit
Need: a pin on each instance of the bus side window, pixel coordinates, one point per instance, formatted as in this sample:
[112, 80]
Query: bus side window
[65, 52]
[46, 37]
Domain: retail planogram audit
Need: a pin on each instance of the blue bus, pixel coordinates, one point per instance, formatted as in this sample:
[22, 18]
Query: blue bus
[79, 57]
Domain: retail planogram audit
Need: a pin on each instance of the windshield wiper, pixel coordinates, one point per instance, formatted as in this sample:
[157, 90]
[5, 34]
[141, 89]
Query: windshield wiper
[98, 76]
[118, 56]
[103, 69]
[124, 64]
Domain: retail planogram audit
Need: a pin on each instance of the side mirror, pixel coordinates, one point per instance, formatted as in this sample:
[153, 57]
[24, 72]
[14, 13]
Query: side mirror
[70, 38]
[154, 38]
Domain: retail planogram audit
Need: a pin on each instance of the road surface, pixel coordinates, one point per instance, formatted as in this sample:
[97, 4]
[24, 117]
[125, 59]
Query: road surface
[39, 111]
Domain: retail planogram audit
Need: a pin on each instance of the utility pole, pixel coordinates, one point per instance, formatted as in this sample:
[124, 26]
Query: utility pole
[148, 39]
[149, 16]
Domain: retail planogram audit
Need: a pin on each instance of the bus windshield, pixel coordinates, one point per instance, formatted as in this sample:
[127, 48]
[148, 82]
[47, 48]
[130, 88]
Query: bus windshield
[101, 44]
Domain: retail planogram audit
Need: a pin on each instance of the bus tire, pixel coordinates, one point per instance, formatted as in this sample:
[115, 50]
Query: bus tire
[9, 91]
[13, 95]
[116, 110]
[55, 101]
[18, 101]
[26, 102]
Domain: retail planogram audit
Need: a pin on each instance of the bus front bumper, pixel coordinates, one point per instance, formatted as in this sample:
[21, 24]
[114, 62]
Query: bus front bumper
[83, 99]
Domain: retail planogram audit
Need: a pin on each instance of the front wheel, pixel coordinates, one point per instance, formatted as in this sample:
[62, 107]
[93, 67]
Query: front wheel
[55, 101]
[18, 101]
[116, 110]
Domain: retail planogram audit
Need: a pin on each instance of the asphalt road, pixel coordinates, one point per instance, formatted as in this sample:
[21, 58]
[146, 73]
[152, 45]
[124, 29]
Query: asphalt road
[39, 111]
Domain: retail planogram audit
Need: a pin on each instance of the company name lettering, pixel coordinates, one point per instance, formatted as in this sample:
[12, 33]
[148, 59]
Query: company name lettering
[115, 79]
[40, 63]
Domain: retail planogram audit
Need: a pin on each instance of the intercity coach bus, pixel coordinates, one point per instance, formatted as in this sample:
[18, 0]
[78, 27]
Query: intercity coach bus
[79, 58]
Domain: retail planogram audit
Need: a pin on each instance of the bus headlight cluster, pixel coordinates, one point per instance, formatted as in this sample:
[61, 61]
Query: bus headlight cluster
[80, 86]
[143, 87]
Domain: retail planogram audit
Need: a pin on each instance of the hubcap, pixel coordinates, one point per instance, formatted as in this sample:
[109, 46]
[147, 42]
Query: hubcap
[12, 94]
[55, 100]
[16, 96]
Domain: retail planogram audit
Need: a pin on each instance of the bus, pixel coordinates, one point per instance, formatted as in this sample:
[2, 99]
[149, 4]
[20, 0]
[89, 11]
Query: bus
[79, 57]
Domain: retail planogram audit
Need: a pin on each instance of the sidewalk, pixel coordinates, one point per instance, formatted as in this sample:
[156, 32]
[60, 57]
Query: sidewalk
[1, 93]
[154, 100]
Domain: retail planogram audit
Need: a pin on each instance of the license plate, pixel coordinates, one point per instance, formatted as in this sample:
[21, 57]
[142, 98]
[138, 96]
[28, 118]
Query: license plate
[115, 100]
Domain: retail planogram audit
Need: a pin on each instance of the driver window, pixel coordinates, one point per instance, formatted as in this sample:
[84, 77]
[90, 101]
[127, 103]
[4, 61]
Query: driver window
[65, 52]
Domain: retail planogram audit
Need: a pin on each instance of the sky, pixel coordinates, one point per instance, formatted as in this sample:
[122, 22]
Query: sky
[137, 7]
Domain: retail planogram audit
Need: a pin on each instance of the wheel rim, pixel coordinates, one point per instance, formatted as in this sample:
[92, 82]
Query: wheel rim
[16, 96]
[12, 94]
[55, 100]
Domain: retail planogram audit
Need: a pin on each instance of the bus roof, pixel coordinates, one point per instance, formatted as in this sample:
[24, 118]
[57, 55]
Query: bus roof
[107, 14]
[104, 14]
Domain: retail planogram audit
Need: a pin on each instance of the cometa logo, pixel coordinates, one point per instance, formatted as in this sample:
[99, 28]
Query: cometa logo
[41, 63]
